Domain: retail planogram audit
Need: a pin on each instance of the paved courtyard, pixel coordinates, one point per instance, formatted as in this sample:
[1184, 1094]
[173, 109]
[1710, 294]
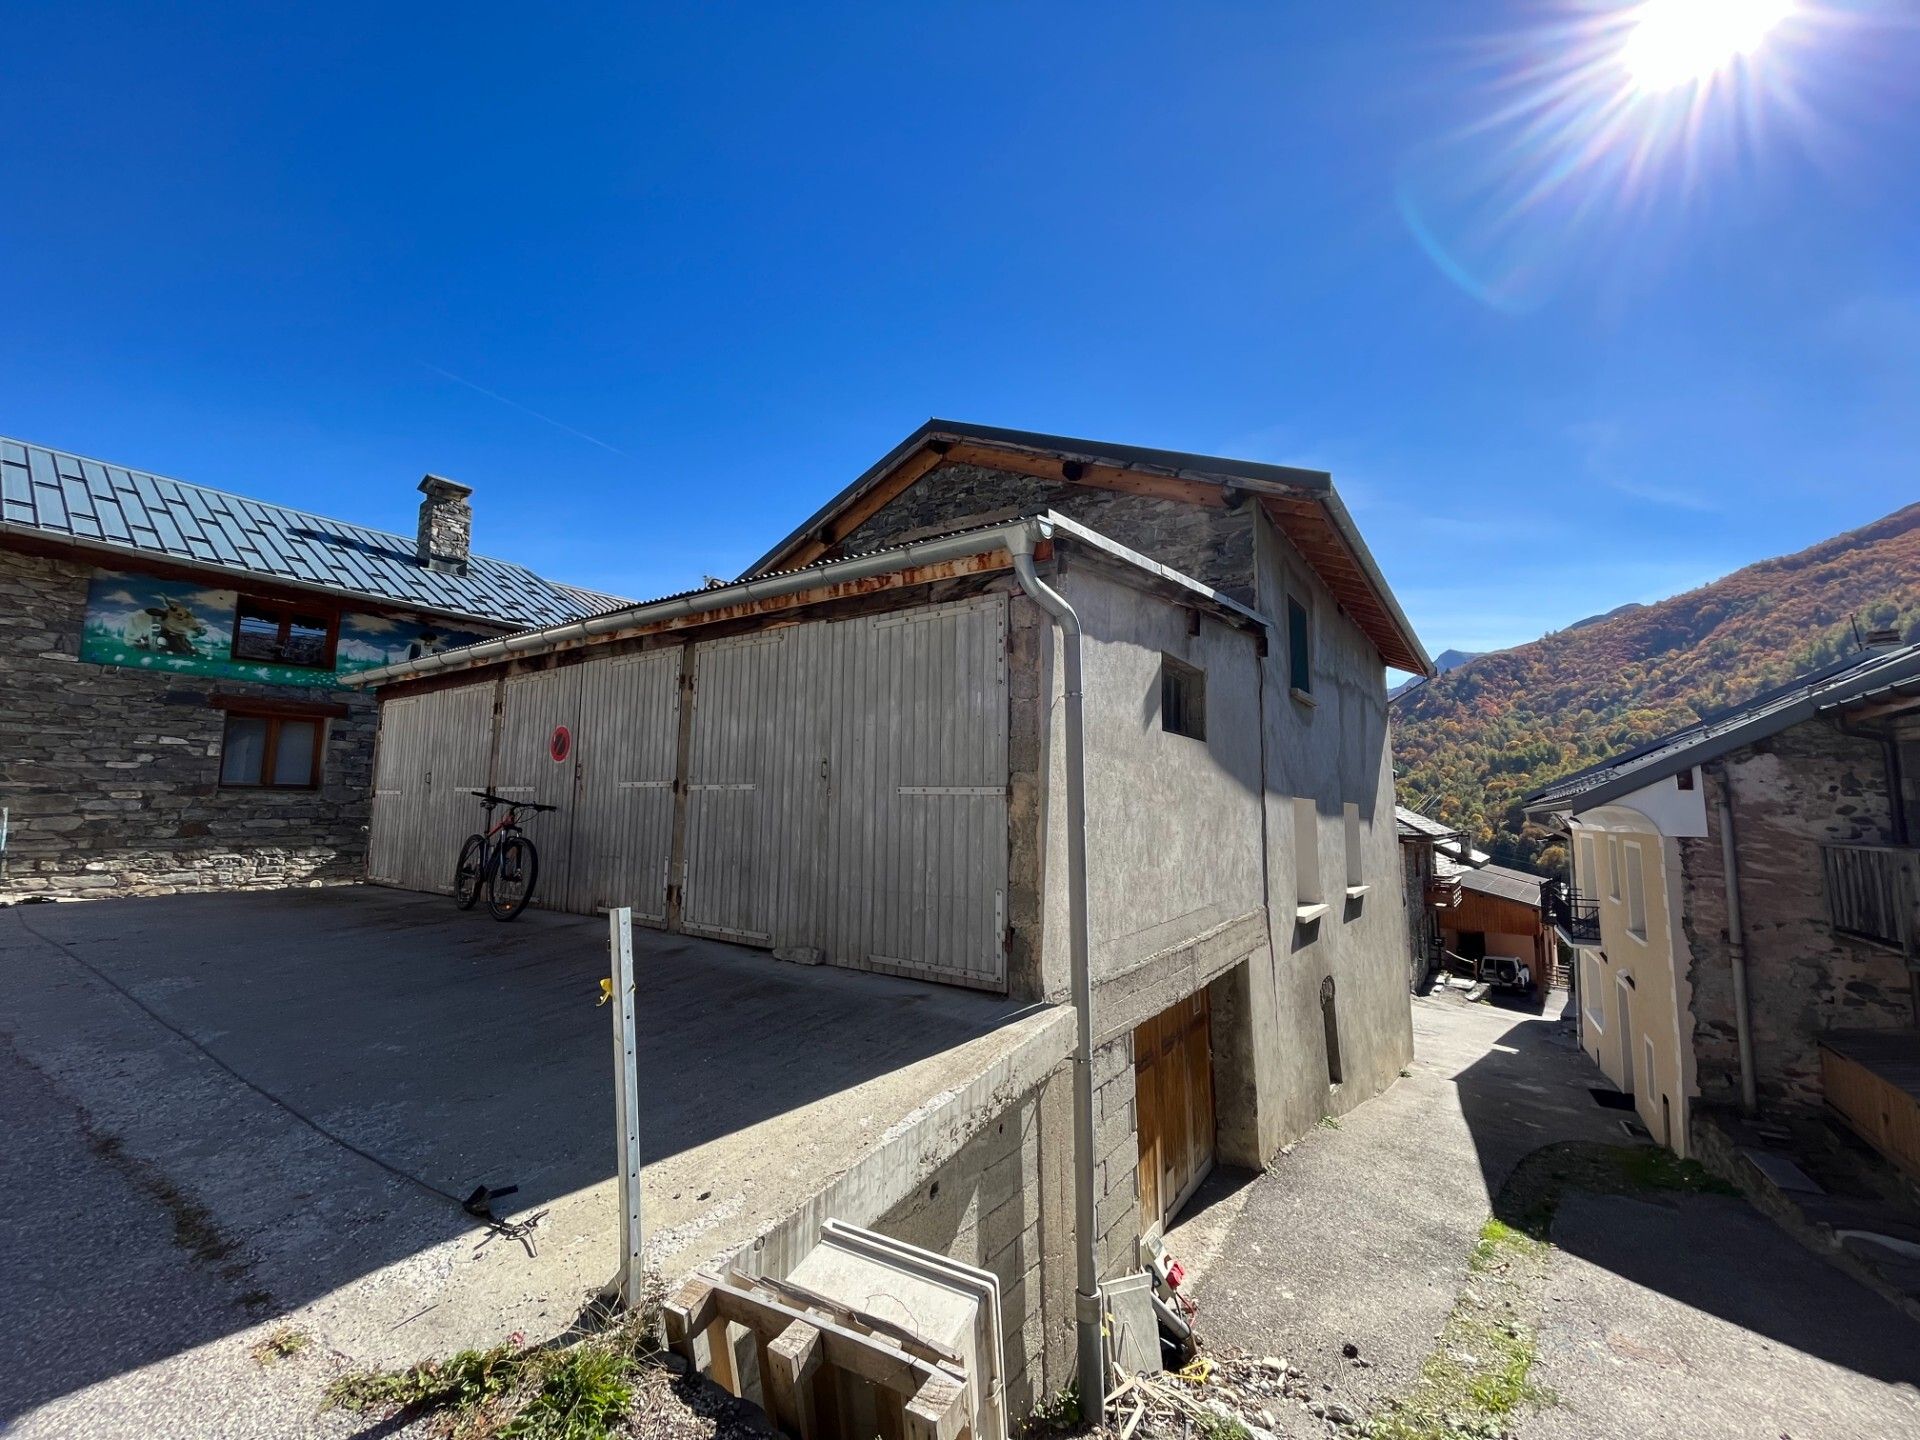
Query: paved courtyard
[227, 1112]
[1663, 1314]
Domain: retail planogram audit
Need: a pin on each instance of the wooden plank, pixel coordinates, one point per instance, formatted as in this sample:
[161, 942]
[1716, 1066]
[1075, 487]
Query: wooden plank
[861, 509]
[793, 1358]
[938, 1409]
[689, 1311]
[867, 1356]
[1094, 476]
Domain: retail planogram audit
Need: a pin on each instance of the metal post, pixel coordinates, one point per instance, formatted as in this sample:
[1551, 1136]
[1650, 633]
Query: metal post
[630, 1281]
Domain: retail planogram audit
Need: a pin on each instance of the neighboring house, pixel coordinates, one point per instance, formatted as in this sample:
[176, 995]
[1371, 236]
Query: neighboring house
[173, 659]
[1744, 903]
[1429, 886]
[857, 754]
[1499, 912]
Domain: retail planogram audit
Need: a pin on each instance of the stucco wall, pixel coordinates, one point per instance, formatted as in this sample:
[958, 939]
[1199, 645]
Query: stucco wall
[109, 773]
[1792, 791]
[1173, 823]
[1330, 752]
[1654, 1006]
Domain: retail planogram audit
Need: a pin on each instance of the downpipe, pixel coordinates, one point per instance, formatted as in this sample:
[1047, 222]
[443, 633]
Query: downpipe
[1091, 1370]
[1736, 942]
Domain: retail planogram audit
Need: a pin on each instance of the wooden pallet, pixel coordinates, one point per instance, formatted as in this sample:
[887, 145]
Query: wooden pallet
[809, 1348]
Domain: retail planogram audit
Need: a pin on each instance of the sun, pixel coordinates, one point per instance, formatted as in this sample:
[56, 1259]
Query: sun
[1685, 42]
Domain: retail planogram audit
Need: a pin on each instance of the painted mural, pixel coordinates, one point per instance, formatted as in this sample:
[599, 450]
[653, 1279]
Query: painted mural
[187, 628]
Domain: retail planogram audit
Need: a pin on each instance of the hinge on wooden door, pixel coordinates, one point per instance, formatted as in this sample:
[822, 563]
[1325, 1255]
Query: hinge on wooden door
[686, 680]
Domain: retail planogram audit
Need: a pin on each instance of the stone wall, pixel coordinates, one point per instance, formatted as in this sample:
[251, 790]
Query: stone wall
[109, 774]
[1416, 866]
[1213, 545]
[1791, 791]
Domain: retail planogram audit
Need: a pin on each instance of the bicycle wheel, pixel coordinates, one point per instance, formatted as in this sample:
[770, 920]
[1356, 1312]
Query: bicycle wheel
[515, 868]
[470, 872]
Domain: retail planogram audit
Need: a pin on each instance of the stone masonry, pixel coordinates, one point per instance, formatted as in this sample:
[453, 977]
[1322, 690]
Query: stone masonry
[1214, 546]
[109, 774]
[1792, 791]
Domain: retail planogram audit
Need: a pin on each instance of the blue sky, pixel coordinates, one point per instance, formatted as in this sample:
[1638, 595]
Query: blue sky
[656, 280]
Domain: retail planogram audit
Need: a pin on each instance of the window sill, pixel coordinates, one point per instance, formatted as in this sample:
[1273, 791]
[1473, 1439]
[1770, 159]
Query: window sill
[1307, 914]
[1303, 697]
[1637, 936]
[1354, 892]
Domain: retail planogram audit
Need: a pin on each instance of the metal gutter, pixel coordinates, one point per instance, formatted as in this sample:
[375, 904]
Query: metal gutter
[940, 548]
[1087, 1321]
[1736, 942]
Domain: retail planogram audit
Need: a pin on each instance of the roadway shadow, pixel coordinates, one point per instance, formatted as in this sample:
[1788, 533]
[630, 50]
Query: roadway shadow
[448, 1048]
[1679, 1237]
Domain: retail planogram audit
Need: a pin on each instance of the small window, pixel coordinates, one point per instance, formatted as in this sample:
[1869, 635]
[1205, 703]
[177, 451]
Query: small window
[1585, 881]
[1299, 647]
[1684, 780]
[1356, 876]
[271, 752]
[1636, 894]
[1613, 867]
[1183, 699]
[1331, 1021]
[280, 635]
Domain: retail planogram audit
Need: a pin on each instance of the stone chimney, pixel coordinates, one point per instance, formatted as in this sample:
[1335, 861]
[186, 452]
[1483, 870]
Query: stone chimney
[446, 525]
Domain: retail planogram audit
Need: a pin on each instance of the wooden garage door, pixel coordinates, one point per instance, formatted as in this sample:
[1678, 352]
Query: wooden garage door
[1173, 1104]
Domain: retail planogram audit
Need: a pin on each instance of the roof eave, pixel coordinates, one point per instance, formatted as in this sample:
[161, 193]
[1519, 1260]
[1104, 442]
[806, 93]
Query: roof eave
[259, 579]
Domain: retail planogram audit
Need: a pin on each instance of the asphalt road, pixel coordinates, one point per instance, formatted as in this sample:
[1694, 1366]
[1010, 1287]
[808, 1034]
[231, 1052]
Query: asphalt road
[1668, 1315]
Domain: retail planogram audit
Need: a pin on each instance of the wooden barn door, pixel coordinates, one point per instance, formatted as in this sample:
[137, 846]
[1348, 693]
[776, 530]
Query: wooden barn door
[1173, 1104]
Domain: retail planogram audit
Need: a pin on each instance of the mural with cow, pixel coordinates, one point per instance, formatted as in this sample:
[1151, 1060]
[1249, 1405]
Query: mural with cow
[151, 623]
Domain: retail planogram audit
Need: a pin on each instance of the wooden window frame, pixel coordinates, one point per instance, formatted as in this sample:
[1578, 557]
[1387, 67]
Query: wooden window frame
[285, 613]
[1300, 648]
[274, 717]
[1188, 685]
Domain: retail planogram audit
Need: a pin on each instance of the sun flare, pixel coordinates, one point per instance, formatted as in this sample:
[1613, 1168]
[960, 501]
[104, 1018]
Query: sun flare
[1685, 42]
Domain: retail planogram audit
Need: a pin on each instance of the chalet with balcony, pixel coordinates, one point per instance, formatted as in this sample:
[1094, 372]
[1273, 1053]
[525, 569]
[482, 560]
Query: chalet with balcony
[1743, 906]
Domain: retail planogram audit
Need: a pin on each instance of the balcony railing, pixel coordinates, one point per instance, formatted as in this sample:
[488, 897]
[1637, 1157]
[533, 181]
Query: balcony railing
[1571, 913]
[1872, 891]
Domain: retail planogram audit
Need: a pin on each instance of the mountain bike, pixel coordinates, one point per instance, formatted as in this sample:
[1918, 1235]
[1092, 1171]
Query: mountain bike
[500, 860]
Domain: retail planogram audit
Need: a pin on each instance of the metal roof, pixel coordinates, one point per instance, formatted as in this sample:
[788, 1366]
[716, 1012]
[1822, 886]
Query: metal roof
[113, 509]
[1412, 824]
[1846, 683]
[1504, 884]
[1389, 629]
[978, 538]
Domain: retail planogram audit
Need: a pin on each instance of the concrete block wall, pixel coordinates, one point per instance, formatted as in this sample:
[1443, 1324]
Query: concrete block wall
[1004, 1202]
[1792, 791]
[1116, 1144]
[109, 773]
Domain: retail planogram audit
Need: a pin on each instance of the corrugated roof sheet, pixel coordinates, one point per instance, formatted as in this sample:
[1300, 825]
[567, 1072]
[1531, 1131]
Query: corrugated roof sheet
[1497, 880]
[69, 496]
[1846, 683]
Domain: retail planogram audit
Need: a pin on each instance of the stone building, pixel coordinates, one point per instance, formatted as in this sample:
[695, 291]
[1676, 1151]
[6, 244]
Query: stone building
[1429, 886]
[172, 659]
[1744, 896]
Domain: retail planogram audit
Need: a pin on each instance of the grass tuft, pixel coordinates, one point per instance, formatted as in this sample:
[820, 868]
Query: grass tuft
[585, 1393]
[282, 1344]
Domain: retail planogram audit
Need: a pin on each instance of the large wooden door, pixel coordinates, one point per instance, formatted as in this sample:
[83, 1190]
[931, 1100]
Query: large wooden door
[1173, 1106]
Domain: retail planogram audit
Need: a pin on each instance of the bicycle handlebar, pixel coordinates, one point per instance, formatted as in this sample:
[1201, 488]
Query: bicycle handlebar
[488, 798]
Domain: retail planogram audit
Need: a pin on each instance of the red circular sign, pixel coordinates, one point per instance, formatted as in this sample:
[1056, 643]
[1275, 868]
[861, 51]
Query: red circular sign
[561, 745]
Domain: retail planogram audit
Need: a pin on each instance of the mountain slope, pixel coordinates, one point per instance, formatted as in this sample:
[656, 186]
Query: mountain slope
[1478, 739]
[1443, 662]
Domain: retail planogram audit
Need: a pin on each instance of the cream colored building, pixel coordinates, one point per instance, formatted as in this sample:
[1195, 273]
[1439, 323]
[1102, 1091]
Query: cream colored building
[1746, 897]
